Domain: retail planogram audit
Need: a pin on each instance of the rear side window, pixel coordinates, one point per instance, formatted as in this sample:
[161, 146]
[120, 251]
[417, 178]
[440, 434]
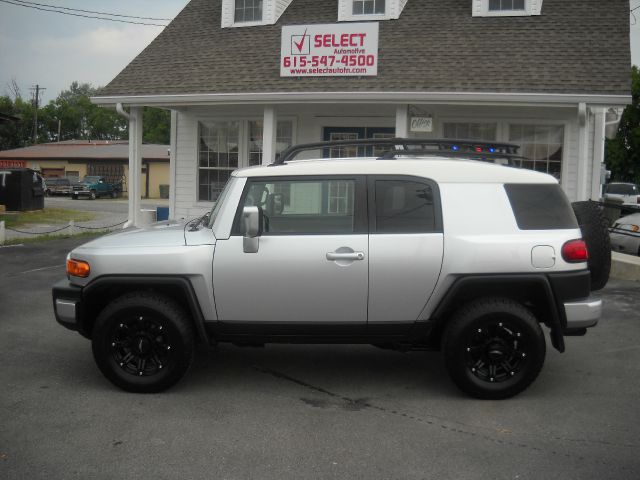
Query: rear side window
[540, 207]
[404, 207]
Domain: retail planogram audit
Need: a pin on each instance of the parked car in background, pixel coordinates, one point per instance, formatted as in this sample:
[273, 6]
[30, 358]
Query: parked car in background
[625, 235]
[94, 187]
[58, 186]
[629, 193]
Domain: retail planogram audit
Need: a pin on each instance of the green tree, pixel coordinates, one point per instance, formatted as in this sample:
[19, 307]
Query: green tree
[623, 152]
[75, 118]
[156, 126]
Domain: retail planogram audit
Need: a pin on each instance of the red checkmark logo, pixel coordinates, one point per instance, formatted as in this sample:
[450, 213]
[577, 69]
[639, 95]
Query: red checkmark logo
[301, 44]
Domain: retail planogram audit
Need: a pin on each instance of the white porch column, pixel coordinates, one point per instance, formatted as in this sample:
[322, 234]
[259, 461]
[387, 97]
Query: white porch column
[583, 124]
[135, 165]
[600, 115]
[173, 164]
[269, 131]
[402, 121]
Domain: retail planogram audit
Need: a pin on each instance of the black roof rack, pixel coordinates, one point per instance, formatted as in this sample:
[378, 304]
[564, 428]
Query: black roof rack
[473, 149]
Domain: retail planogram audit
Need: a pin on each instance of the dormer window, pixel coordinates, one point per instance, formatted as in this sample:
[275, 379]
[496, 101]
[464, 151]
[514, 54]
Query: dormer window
[248, 11]
[505, 5]
[251, 13]
[368, 7]
[361, 10]
[506, 8]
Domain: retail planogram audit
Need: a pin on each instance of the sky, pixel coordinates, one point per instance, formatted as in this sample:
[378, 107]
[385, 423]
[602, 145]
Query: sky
[52, 50]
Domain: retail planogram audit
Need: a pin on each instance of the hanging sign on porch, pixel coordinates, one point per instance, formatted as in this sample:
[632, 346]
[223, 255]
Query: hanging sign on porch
[329, 50]
[421, 124]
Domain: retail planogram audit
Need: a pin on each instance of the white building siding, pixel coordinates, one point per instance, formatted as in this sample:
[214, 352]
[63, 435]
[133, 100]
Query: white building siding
[309, 121]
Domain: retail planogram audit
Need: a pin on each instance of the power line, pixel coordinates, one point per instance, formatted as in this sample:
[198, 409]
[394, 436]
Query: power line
[15, 2]
[92, 11]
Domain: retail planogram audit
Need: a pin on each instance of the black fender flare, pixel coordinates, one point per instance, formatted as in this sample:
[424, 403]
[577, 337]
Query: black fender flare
[505, 285]
[139, 282]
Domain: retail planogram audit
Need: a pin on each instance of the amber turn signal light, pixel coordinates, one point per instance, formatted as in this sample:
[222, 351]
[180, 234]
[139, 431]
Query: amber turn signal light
[78, 268]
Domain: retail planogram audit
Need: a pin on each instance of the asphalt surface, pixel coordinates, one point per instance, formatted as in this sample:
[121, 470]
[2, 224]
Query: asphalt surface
[297, 412]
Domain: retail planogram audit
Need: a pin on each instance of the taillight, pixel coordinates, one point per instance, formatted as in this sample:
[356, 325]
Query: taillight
[575, 251]
[78, 268]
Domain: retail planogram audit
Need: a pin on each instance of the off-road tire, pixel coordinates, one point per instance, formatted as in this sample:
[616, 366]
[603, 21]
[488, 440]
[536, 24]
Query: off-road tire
[143, 342]
[493, 348]
[595, 231]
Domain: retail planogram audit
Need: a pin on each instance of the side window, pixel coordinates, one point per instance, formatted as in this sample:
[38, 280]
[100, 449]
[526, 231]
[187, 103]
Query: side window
[404, 206]
[293, 207]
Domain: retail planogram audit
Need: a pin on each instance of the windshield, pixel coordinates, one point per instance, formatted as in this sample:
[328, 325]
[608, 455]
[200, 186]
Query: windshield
[218, 206]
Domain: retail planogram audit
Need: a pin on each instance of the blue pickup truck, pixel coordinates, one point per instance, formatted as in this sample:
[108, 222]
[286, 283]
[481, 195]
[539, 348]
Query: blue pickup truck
[94, 187]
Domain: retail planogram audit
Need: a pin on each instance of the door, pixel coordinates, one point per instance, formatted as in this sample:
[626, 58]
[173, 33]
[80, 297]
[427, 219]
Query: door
[312, 261]
[405, 247]
[355, 133]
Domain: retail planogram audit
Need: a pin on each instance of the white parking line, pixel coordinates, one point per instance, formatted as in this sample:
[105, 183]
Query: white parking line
[40, 269]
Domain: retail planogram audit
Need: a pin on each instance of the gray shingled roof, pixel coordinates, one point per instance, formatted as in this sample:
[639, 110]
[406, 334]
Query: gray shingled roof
[574, 47]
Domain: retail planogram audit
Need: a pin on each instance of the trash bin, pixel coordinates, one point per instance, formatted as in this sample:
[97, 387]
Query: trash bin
[21, 189]
[162, 213]
[147, 216]
[164, 191]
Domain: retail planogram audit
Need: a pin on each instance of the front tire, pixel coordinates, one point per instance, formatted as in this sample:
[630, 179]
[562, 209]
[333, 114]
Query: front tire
[143, 342]
[493, 348]
[92, 195]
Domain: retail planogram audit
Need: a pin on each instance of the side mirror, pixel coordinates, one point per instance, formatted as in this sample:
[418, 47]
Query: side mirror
[252, 220]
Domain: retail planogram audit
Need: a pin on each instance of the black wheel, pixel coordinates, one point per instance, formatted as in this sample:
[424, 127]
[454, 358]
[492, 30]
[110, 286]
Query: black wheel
[143, 342]
[114, 194]
[92, 195]
[74, 197]
[47, 193]
[493, 348]
[595, 231]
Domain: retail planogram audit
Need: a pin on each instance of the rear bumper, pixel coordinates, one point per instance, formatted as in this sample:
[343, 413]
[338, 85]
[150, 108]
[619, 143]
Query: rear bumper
[584, 313]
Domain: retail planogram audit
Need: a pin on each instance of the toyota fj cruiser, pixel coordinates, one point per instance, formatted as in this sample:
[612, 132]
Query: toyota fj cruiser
[432, 245]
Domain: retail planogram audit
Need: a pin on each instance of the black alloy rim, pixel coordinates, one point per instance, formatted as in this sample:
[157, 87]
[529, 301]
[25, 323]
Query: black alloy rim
[495, 351]
[140, 346]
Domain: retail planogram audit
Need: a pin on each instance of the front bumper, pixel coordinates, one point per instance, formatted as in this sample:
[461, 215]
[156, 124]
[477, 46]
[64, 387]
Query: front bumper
[67, 301]
[584, 313]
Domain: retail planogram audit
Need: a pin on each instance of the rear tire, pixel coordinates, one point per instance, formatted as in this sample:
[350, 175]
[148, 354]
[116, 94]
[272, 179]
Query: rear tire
[493, 348]
[595, 231]
[143, 342]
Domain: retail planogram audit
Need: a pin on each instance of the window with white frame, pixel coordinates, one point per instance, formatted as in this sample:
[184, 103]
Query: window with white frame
[359, 10]
[505, 5]
[218, 156]
[368, 7]
[541, 146]
[284, 139]
[486, 132]
[506, 8]
[248, 11]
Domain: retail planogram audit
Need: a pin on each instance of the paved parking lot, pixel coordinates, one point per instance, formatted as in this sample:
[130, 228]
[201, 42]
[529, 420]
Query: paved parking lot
[306, 411]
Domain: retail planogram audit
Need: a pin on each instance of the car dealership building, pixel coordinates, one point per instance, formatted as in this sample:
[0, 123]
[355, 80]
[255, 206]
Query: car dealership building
[244, 79]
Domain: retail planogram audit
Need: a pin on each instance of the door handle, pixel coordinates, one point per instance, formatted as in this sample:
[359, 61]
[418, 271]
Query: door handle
[345, 256]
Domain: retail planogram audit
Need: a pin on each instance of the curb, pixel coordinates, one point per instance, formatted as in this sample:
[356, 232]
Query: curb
[625, 267]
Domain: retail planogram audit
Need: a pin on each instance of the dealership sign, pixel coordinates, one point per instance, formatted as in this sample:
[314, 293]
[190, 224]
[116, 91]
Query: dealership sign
[349, 49]
[13, 163]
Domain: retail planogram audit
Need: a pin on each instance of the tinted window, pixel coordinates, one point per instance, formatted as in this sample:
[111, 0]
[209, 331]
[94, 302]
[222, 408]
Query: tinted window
[404, 207]
[305, 206]
[540, 207]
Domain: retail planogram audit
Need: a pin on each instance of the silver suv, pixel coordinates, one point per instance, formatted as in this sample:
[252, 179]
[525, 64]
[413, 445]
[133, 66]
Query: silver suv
[415, 249]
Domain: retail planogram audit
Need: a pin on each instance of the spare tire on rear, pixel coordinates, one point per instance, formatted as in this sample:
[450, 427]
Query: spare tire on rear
[595, 231]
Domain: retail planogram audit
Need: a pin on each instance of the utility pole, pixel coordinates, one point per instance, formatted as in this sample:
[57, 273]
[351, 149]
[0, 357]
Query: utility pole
[37, 89]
